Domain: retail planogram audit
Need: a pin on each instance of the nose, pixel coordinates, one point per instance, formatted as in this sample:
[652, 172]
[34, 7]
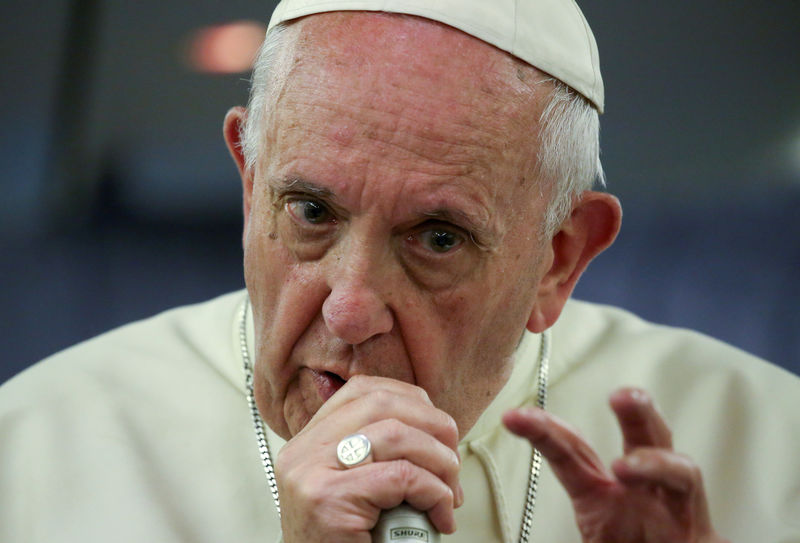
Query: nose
[354, 310]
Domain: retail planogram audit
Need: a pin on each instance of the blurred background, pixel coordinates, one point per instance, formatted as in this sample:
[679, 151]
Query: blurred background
[119, 199]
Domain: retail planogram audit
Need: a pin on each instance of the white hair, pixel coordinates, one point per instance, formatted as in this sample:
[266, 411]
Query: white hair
[569, 137]
[261, 86]
[569, 151]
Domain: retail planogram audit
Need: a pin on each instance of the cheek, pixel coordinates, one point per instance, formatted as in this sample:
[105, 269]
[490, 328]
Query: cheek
[286, 295]
[441, 333]
[472, 358]
[269, 268]
[285, 298]
[260, 242]
[486, 322]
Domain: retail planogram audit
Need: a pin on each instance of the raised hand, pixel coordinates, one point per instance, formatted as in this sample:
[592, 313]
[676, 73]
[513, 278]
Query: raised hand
[414, 459]
[650, 495]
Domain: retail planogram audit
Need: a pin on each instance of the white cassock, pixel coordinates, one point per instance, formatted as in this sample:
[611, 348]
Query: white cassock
[144, 433]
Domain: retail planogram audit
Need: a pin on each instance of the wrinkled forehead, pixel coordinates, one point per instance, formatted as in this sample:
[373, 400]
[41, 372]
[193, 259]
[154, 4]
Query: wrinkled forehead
[382, 52]
[400, 40]
[376, 102]
[552, 35]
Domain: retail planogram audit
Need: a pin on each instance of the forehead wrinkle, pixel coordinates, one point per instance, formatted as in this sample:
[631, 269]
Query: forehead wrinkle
[473, 110]
[481, 71]
[489, 103]
[456, 153]
[452, 168]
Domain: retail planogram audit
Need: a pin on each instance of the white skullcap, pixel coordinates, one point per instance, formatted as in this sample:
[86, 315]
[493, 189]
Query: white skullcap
[551, 35]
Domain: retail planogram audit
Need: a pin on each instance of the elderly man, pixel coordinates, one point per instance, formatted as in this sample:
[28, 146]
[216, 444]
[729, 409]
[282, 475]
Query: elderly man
[417, 211]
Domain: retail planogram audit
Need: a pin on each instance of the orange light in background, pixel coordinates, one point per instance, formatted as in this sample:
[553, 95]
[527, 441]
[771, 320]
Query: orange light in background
[225, 49]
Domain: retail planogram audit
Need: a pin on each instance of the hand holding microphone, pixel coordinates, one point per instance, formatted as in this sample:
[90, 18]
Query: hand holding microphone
[376, 460]
[401, 524]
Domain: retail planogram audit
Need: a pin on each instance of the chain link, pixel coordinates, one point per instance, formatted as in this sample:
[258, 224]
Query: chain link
[258, 422]
[536, 457]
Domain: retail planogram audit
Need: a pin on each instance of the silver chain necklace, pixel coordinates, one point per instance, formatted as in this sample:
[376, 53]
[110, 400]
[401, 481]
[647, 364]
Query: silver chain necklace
[266, 457]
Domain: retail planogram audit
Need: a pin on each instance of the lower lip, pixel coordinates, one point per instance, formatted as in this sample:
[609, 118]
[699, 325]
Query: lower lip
[327, 384]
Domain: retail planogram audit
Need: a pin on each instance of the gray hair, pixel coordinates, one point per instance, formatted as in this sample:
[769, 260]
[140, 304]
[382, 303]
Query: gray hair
[261, 83]
[569, 151]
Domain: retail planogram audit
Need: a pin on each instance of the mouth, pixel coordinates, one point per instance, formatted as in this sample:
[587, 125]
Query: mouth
[327, 383]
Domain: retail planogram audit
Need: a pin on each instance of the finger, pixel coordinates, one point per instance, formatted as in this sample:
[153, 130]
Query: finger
[388, 484]
[641, 423]
[366, 399]
[394, 440]
[359, 385]
[572, 460]
[381, 404]
[677, 474]
[661, 467]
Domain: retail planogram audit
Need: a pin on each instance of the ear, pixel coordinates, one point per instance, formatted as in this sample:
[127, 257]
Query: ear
[231, 130]
[591, 227]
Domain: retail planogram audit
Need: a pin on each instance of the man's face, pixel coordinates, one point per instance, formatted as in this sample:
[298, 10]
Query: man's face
[394, 219]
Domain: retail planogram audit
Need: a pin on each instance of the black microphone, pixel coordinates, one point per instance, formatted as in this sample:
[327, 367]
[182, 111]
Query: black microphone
[404, 524]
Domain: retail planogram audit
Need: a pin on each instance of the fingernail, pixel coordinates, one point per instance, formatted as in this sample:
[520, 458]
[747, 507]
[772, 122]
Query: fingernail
[640, 397]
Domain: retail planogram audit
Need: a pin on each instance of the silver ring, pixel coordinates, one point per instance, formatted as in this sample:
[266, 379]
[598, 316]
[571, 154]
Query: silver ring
[353, 450]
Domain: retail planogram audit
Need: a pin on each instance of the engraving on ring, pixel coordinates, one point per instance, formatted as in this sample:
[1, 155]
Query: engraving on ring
[353, 449]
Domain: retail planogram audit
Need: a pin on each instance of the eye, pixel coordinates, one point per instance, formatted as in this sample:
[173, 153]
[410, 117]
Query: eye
[440, 240]
[309, 211]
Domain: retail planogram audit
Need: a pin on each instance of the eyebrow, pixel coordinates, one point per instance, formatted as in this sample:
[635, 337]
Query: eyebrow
[296, 184]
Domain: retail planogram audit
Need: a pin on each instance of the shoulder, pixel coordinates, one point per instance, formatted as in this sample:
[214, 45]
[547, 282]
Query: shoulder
[699, 382]
[167, 364]
[684, 370]
[588, 331]
[132, 423]
[198, 337]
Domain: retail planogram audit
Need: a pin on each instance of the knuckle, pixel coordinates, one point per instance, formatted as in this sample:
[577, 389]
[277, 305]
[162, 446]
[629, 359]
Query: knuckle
[380, 399]
[282, 463]
[448, 429]
[454, 461]
[400, 472]
[451, 428]
[694, 472]
[286, 461]
[359, 382]
[310, 491]
[395, 432]
[423, 394]
[448, 497]
[443, 496]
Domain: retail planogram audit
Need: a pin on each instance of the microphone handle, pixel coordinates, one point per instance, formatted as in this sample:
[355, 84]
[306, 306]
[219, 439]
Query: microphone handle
[404, 524]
